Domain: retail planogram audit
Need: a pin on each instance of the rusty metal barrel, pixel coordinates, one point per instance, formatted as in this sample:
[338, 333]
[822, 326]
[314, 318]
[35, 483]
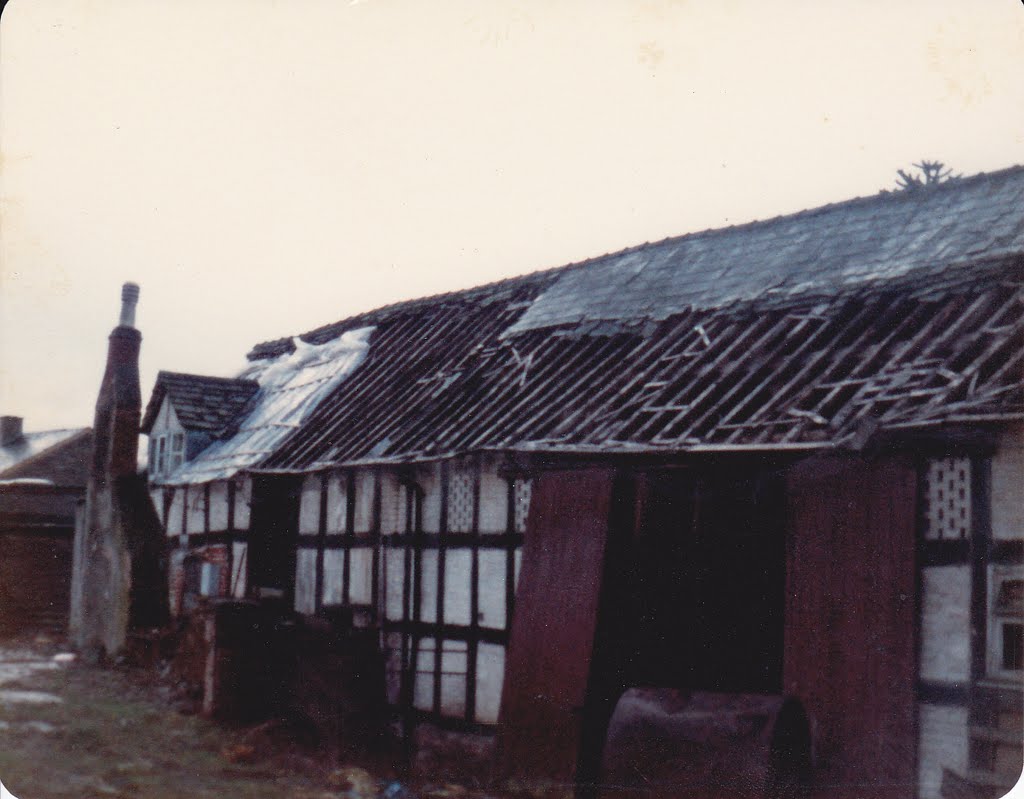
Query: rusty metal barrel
[664, 743]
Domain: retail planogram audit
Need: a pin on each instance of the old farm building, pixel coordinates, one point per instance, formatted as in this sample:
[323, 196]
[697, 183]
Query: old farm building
[777, 459]
[42, 482]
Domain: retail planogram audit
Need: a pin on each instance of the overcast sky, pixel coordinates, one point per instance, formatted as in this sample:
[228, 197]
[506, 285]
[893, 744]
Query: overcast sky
[263, 167]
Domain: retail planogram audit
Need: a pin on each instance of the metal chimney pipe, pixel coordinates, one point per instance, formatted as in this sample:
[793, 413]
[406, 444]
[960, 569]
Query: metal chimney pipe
[129, 297]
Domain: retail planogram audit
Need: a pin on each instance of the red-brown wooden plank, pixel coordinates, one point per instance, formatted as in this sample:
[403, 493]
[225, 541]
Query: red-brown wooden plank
[552, 637]
[849, 631]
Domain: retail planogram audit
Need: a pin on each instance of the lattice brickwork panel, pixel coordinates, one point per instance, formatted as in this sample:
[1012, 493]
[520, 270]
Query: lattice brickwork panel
[521, 496]
[460, 500]
[947, 499]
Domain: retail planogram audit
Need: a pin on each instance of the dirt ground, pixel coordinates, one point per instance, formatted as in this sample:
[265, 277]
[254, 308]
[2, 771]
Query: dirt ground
[69, 730]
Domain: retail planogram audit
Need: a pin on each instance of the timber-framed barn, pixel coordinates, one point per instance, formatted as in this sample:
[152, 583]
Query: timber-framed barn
[776, 460]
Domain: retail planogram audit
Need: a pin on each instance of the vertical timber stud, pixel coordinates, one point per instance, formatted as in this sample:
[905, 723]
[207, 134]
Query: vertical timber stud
[167, 495]
[510, 553]
[350, 532]
[184, 514]
[407, 675]
[474, 597]
[321, 540]
[920, 538]
[981, 481]
[442, 547]
[206, 507]
[375, 539]
[417, 617]
[231, 538]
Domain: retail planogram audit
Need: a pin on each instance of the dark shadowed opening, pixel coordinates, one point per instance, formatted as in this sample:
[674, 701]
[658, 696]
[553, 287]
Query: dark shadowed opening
[705, 604]
[274, 534]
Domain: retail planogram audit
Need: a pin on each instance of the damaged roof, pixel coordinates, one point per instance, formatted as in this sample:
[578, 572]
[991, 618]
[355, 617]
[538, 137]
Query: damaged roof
[900, 310]
[202, 403]
[282, 392]
[825, 251]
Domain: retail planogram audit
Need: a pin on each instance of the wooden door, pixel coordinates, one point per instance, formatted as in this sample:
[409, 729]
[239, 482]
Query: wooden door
[552, 639]
[850, 610]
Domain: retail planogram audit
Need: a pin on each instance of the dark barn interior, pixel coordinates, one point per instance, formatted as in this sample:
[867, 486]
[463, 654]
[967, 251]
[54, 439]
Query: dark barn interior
[275, 514]
[704, 600]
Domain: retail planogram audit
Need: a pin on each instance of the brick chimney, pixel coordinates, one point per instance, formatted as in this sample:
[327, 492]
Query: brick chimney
[10, 430]
[119, 405]
[117, 581]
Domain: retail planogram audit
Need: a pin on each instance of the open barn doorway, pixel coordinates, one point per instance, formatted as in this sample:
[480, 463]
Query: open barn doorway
[703, 601]
[632, 578]
[273, 536]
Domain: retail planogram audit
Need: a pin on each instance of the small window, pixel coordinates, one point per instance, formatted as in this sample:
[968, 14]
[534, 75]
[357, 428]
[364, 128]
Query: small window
[177, 450]
[209, 581]
[1013, 647]
[1010, 599]
[161, 454]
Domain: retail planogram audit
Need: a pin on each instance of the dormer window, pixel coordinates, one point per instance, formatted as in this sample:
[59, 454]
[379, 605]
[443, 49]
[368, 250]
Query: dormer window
[161, 455]
[177, 450]
[166, 453]
[188, 412]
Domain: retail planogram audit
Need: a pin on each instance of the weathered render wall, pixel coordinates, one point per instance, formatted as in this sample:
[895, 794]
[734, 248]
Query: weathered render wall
[117, 572]
[430, 553]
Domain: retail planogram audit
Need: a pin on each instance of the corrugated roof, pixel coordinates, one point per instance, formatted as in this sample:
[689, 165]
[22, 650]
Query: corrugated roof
[202, 403]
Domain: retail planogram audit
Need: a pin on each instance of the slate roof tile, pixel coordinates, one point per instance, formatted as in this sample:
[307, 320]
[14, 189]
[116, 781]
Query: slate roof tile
[202, 403]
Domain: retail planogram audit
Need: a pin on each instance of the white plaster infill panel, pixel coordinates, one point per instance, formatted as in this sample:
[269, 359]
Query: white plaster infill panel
[429, 479]
[493, 565]
[493, 499]
[943, 744]
[309, 506]
[946, 624]
[305, 581]
[1008, 487]
[365, 485]
[457, 574]
[243, 501]
[394, 583]
[337, 503]
[334, 563]
[219, 506]
[490, 676]
[360, 576]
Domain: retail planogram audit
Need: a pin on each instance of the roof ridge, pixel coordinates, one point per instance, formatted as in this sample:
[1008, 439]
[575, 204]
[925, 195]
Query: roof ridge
[270, 347]
[75, 433]
[163, 373]
[55, 430]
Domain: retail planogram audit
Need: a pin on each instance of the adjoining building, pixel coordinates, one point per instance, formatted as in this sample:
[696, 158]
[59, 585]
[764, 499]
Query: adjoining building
[782, 459]
[42, 481]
